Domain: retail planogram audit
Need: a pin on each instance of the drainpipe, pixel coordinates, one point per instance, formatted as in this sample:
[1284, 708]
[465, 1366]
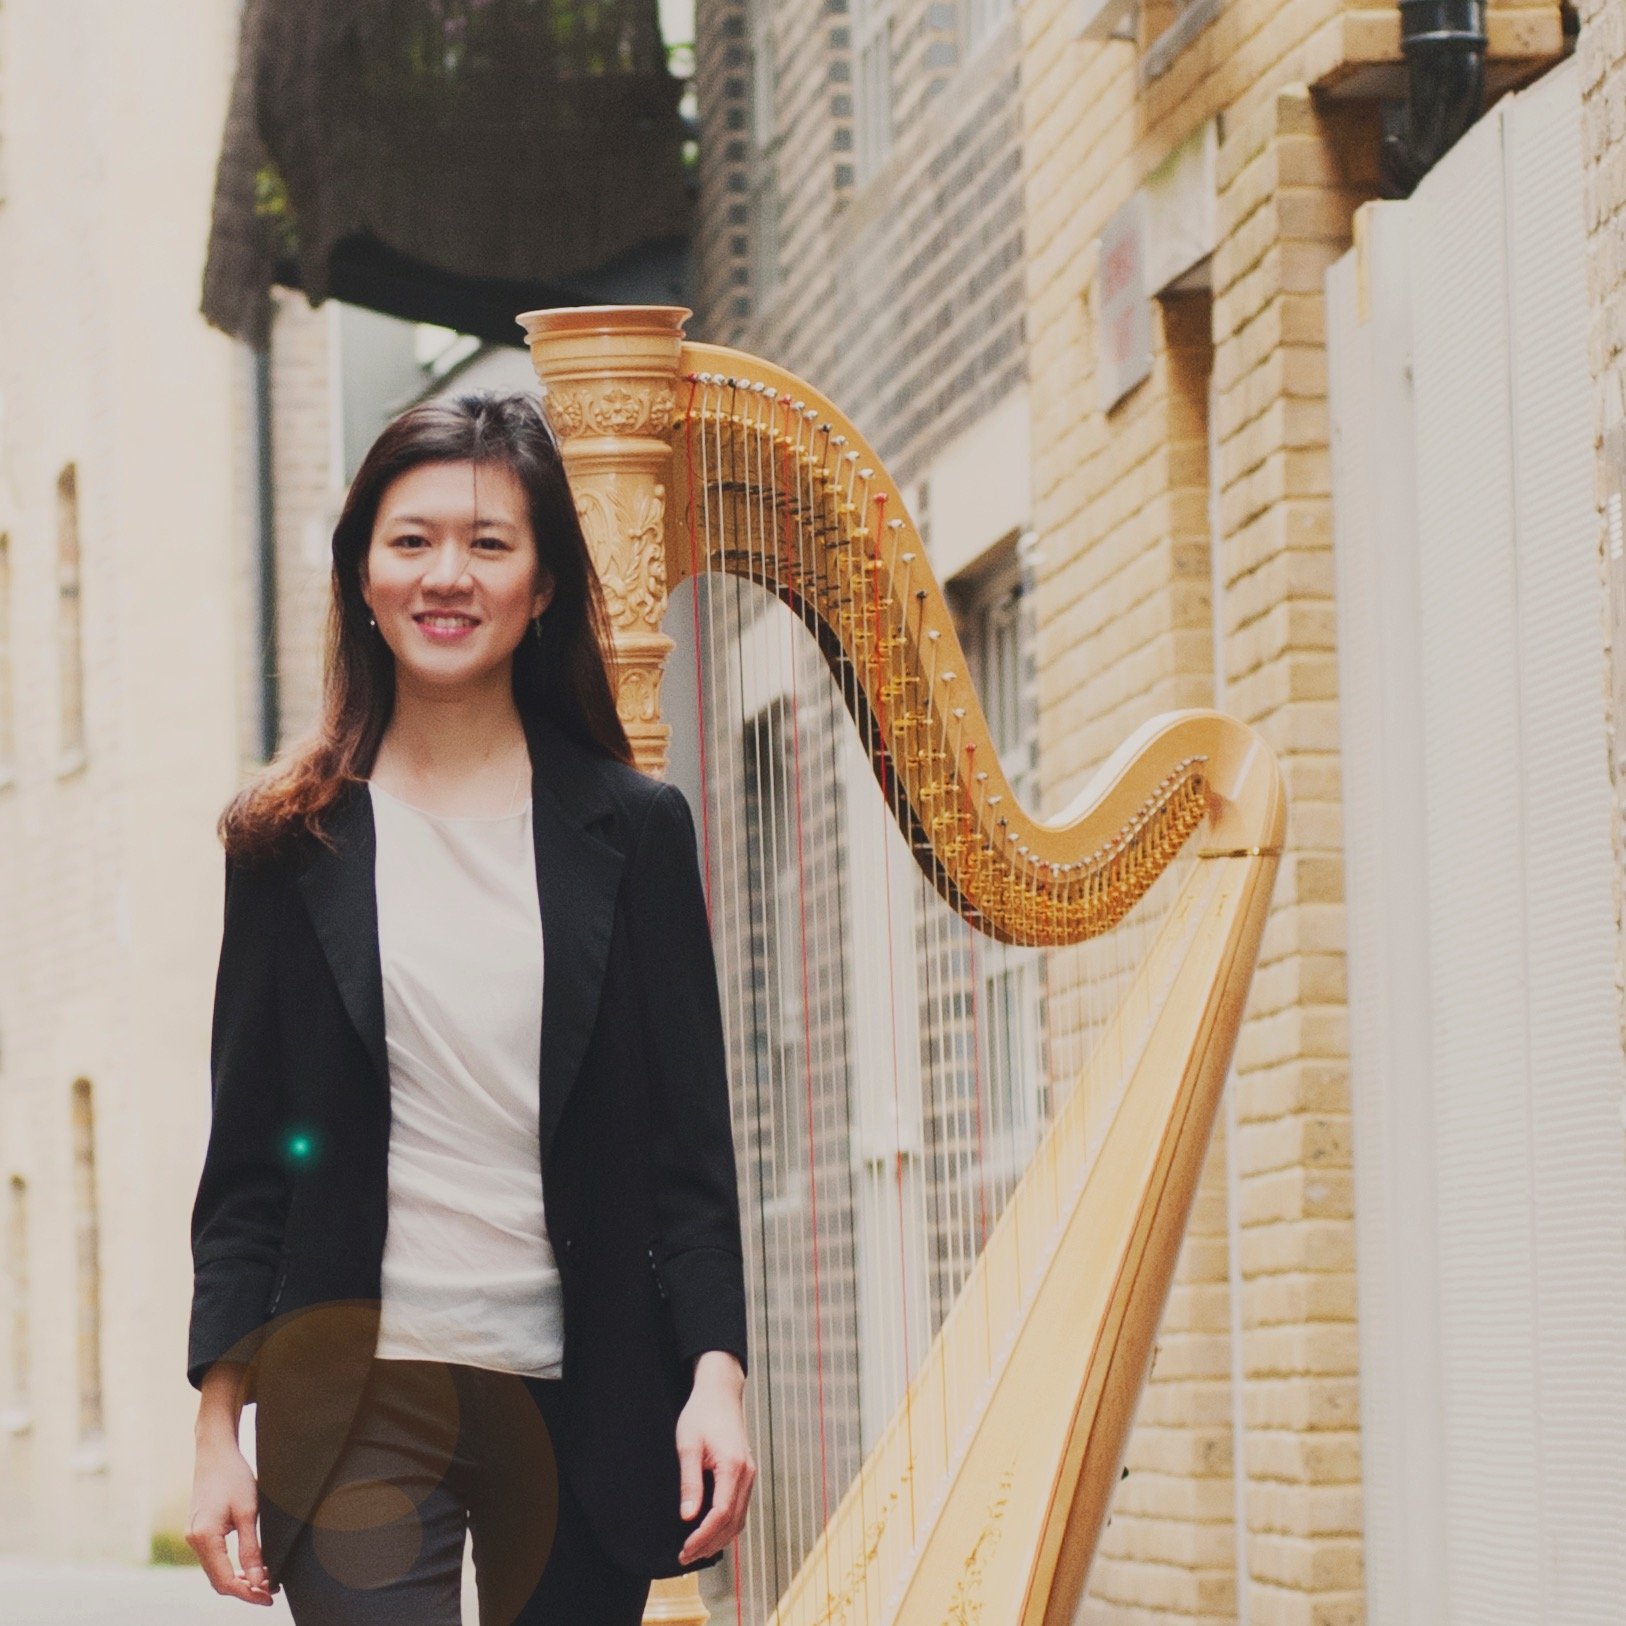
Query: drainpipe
[1444, 45]
[266, 551]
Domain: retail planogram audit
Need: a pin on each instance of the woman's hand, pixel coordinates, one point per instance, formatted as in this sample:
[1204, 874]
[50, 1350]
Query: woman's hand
[711, 1434]
[224, 1494]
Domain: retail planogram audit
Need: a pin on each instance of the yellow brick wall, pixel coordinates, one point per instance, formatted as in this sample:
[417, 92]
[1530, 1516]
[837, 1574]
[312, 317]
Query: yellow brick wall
[1290, 178]
[1126, 629]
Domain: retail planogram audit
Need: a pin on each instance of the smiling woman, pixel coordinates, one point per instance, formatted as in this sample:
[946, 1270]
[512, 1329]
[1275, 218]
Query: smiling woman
[461, 508]
[468, 1226]
[452, 578]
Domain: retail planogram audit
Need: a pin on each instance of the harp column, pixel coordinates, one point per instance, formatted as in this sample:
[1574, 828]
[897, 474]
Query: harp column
[610, 373]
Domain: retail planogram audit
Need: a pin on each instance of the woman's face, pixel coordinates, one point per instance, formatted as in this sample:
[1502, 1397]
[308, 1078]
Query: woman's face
[452, 575]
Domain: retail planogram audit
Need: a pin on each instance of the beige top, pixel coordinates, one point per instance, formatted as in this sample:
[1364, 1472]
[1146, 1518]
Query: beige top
[469, 1275]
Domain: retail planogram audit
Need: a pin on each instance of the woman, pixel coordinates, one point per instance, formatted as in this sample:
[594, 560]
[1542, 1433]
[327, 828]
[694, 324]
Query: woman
[467, 1228]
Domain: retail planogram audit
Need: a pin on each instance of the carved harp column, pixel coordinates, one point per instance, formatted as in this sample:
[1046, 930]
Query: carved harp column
[610, 375]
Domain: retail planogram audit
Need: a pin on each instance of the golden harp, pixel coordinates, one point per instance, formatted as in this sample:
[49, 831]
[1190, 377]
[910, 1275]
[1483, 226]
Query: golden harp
[948, 1348]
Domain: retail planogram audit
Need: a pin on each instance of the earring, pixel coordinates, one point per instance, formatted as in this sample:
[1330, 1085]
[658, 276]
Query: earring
[371, 622]
[536, 627]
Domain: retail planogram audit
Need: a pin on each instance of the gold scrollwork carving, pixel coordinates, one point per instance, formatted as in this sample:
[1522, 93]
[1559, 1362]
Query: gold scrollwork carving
[639, 697]
[965, 1606]
[629, 551]
[838, 1605]
[614, 409]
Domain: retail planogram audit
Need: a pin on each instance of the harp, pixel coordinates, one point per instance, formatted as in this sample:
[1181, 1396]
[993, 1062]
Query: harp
[957, 1260]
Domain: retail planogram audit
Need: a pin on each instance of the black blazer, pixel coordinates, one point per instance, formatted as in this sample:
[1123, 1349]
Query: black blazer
[637, 1158]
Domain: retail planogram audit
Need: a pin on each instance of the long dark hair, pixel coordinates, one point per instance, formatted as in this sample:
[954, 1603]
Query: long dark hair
[565, 674]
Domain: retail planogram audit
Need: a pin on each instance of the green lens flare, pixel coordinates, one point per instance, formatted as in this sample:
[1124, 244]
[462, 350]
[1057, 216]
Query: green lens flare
[299, 1146]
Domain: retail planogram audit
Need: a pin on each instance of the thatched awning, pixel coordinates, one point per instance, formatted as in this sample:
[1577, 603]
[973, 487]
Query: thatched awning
[449, 161]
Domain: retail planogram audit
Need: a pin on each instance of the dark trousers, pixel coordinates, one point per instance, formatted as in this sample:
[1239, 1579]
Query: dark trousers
[436, 1449]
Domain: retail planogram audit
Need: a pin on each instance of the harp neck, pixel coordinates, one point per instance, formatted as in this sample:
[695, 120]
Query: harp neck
[621, 385]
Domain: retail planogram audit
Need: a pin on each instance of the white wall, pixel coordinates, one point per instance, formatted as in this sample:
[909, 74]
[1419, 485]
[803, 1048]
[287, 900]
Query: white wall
[1487, 1071]
[110, 873]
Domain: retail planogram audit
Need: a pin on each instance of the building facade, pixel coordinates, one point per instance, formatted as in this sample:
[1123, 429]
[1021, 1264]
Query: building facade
[166, 501]
[126, 705]
[1214, 157]
[861, 222]
[1187, 176]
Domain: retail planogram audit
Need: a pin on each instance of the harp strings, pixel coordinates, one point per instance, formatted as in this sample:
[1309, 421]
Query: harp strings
[894, 1068]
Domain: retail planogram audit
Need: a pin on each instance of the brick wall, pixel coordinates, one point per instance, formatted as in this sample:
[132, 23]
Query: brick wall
[1127, 629]
[901, 298]
[1290, 179]
[1214, 472]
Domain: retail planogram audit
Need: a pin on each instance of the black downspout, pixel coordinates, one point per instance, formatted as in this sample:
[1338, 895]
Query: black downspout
[266, 548]
[1444, 44]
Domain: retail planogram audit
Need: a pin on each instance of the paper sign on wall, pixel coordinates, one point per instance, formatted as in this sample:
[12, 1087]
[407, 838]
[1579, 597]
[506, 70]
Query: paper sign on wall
[1123, 311]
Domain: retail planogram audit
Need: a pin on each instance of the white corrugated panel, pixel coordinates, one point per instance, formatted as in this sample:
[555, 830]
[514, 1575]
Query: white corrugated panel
[1476, 846]
[1379, 660]
[1575, 1143]
[1508, 1184]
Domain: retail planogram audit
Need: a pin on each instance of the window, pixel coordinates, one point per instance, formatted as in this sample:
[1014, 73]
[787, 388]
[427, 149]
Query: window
[2, 110]
[872, 51]
[777, 930]
[981, 18]
[17, 1412]
[1164, 27]
[763, 76]
[88, 1275]
[1167, 28]
[8, 717]
[992, 614]
[765, 239]
[69, 631]
[991, 608]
